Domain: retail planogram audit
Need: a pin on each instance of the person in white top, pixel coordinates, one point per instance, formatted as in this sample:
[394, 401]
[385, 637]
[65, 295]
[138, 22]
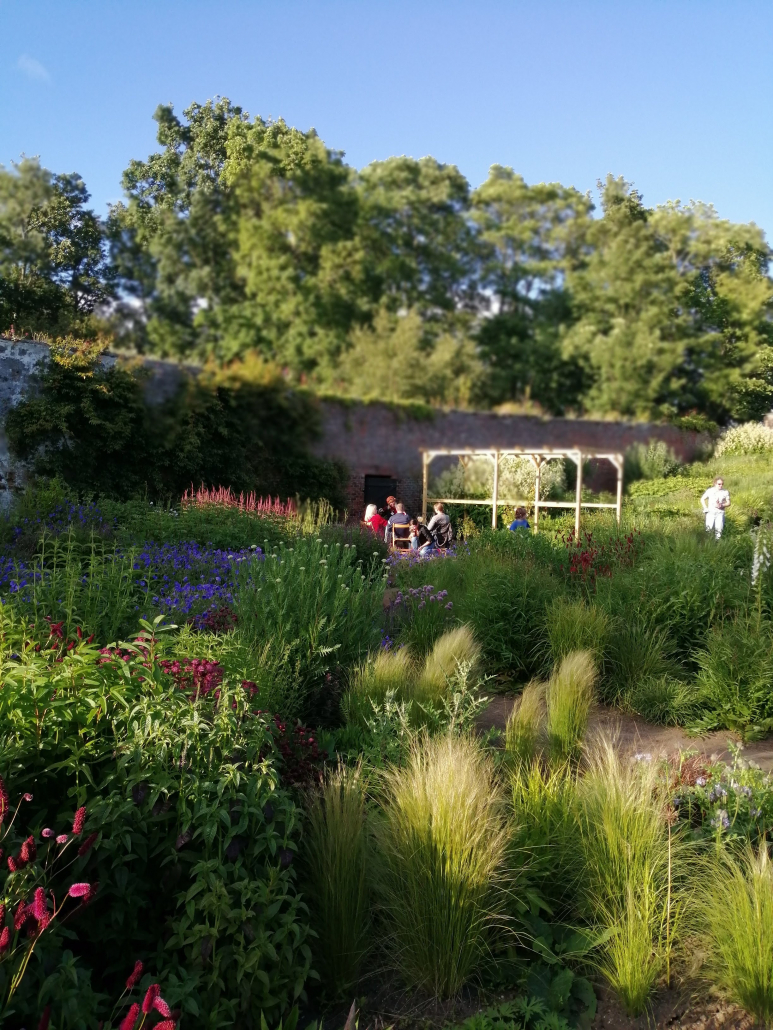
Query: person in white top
[714, 502]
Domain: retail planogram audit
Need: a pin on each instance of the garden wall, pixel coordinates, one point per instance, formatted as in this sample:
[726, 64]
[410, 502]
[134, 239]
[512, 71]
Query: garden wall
[375, 439]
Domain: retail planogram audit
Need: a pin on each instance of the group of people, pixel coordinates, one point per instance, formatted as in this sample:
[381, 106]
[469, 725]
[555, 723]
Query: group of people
[403, 532]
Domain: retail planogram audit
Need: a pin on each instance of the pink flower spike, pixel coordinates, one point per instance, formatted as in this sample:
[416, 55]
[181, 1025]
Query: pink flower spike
[161, 1006]
[88, 843]
[166, 1024]
[5, 939]
[79, 890]
[134, 976]
[40, 906]
[152, 993]
[62, 838]
[48, 832]
[28, 797]
[78, 820]
[128, 1021]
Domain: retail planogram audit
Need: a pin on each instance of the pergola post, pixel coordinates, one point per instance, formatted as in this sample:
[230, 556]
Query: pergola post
[424, 478]
[578, 494]
[537, 481]
[618, 462]
[495, 496]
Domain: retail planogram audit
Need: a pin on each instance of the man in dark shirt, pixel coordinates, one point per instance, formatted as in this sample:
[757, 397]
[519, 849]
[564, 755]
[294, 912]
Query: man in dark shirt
[398, 519]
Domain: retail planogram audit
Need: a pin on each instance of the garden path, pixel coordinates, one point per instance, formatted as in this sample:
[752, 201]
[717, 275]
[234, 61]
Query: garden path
[634, 735]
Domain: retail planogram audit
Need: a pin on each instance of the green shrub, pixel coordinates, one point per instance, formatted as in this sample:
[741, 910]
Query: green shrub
[637, 652]
[733, 918]
[335, 879]
[569, 698]
[525, 727]
[653, 460]
[748, 438]
[442, 845]
[574, 625]
[627, 858]
[736, 675]
[663, 700]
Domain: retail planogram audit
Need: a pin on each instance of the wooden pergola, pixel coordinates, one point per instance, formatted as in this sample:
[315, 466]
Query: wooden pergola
[538, 457]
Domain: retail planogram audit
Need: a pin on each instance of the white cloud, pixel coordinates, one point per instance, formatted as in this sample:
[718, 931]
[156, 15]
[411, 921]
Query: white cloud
[33, 69]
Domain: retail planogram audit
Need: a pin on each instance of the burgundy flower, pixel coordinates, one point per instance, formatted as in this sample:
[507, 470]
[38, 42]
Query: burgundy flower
[21, 915]
[88, 843]
[2, 915]
[166, 1024]
[5, 939]
[45, 1018]
[40, 908]
[47, 832]
[153, 992]
[134, 976]
[128, 1021]
[12, 864]
[78, 821]
[161, 1006]
[28, 797]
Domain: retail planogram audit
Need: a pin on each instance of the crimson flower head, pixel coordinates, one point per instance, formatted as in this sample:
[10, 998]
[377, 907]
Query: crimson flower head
[29, 851]
[62, 838]
[11, 864]
[128, 1021]
[21, 915]
[88, 843]
[28, 797]
[5, 939]
[166, 1024]
[79, 890]
[47, 832]
[56, 629]
[153, 992]
[134, 976]
[40, 908]
[78, 820]
[161, 1006]
[2, 915]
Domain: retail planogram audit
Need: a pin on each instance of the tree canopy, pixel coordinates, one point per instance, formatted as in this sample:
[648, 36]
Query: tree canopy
[247, 238]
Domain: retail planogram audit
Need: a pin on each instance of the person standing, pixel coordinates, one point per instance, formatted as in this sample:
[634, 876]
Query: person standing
[715, 502]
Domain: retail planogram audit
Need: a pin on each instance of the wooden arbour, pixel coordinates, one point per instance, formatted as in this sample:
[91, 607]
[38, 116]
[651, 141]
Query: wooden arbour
[538, 457]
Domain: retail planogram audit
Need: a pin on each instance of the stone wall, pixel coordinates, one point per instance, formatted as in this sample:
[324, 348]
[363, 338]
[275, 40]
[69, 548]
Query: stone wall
[373, 439]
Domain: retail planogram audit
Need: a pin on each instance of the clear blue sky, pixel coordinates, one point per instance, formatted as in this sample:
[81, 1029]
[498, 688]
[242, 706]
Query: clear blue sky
[677, 95]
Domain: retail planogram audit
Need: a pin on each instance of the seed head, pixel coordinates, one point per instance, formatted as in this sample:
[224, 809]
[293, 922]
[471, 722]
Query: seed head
[78, 821]
[128, 1021]
[153, 992]
[134, 976]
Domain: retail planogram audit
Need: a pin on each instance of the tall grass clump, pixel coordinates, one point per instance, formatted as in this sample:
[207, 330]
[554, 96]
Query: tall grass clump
[383, 673]
[573, 625]
[442, 847]
[733, 914]
[570, 696]
[736, 673]
[335, 878]
[456, 647]
[524, 730]
[628, 858]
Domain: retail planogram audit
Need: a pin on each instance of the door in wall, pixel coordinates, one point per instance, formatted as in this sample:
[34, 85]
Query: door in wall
[378, 488]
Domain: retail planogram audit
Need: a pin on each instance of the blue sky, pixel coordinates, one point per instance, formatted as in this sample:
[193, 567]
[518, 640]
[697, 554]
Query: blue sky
[676, 95]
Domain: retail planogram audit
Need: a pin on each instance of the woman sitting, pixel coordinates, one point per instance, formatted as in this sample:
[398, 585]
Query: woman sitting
[374, 520]
[421, 538]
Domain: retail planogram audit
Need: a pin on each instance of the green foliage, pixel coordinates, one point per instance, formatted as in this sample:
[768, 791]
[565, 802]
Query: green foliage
[335, 879]
[736, 675]
[569, 698]
[733, 913]
[442, 844]
[654, 460]
[749, 438]
[576, 626]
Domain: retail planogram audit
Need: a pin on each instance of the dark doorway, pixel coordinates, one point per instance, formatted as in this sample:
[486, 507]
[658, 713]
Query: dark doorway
[378, 488]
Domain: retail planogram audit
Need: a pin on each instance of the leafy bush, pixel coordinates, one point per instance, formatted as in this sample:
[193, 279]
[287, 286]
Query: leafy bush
[442, 845]
[748, 438]
[653, 460]
[736, 676]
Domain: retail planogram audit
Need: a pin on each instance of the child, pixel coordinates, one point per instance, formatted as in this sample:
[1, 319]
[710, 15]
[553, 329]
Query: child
[520, 521]
[714, 502]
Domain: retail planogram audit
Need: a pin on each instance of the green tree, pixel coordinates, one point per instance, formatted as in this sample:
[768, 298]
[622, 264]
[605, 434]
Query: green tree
[531, 234]
[53, 271]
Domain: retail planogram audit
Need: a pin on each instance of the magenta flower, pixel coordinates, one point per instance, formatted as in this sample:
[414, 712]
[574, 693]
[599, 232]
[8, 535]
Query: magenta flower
[79, 820]
[79, 890]
[5, 939]
[40, 908]
[62, 838]
[47, 832]
[88, 843]
[153, 992]
[161, 1006]
[128, 1021]
[134, 976]
[28, 797]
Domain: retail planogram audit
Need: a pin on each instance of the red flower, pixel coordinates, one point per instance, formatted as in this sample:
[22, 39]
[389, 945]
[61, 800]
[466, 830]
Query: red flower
[165, 1024]
[2, 915]
[28, 797]
[153, 992]
[88, 843]
[40, 908]
[5, 939]
[79, 820]
[62, 838]
[128, 1021]
[28, 851]
[12, 864]
[21, 915]
[56, 629]
[134, 976]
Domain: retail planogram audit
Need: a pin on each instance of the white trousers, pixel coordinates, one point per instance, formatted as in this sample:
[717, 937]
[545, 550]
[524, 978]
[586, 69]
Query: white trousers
[715, 520]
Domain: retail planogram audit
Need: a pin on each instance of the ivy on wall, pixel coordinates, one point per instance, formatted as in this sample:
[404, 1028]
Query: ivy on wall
[88, 423]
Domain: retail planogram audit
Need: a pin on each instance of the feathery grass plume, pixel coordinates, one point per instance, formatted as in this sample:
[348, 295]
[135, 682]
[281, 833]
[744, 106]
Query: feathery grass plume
[575, 626]
[453, 648]
[733, 913]
[627, 885]
[525, 727]
[335, 878]
[441, 872]
[383, 673]
[544, 804]
[569, 698]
